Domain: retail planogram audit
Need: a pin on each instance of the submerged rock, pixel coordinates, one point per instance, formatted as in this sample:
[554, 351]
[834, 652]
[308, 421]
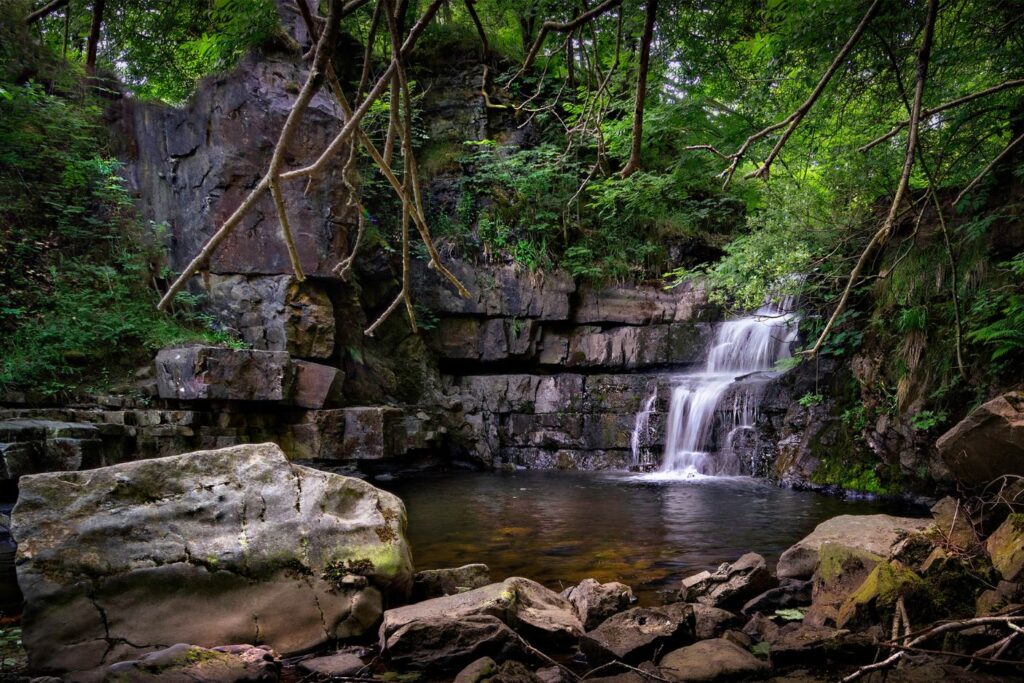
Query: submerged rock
[988, 443]
[731, 585]
[636, 634]
[711, 660]
[542, 616]
[594, 602]
[876, 534]
[234, 545]
[435, 583]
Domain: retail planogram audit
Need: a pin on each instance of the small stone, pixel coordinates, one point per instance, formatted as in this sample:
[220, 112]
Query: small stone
[731, 585]
[435, 583]
[477, 670]
[340, 664]
[594, 602]
[711, 621]
[636, 634]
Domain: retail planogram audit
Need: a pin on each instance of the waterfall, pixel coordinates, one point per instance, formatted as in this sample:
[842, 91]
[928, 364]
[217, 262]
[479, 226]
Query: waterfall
[751, 344]
[641, 431]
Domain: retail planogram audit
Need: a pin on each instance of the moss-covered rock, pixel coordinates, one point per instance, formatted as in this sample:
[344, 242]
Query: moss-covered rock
[1006, 547]
[877, 596]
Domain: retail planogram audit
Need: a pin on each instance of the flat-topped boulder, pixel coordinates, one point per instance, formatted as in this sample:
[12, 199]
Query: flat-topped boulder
[542, 616]
[876, 534]
[229, 546]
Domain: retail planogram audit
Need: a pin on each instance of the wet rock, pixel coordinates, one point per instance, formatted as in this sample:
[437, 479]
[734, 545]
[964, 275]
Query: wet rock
[208, 372]
[435, 583]
[542, 616]
[213, 546]
[275, 313]
[988, 443]
[711, 660]
[874, 533]
[235, 664]
[340, 664]
[448, 643]
[711, 622]
[1006, 548]
[594, 602]
[789, 594]
[636, 634]
[731, 585]
[841, 571]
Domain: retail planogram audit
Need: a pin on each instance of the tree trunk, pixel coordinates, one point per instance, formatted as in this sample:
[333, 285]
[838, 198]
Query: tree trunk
[94, 36]
[633, 165]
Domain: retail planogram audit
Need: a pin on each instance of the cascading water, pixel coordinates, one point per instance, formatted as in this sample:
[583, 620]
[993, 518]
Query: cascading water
[638, 441]
[752, 344]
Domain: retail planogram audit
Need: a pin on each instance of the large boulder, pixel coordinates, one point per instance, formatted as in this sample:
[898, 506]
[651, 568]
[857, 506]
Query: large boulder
[731, 585]
[234, 545]
[540, 615]
[876, 534]
[988, 443]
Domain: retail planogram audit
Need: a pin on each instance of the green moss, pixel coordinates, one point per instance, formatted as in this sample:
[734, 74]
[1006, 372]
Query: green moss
[833, 558]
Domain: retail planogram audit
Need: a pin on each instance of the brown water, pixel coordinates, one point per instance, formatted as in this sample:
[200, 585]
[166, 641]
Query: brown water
[559, 528]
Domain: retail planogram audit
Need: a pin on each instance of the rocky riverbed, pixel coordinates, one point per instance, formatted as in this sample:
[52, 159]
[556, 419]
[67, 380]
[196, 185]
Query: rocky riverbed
[236, 565]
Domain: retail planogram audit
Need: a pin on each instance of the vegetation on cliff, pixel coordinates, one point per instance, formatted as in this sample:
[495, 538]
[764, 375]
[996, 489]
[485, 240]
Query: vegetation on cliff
[874, 149]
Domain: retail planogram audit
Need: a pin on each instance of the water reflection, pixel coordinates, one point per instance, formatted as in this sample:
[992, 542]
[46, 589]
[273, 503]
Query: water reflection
[559, 528]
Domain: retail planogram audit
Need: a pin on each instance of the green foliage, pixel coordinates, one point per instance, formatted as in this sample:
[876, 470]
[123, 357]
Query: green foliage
[811, 400]
[12, 651]
[78, 306]
[997, 317]
[790, 614]
[927, 419]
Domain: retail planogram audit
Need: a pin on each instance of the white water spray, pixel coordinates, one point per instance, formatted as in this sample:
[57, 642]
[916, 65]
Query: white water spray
[641, 429]
[752, 344]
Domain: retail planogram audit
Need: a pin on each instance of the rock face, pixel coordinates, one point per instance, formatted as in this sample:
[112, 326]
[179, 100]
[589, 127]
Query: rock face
[987, 443]
[874, 533]
[194, 165]
[236, 545]
[208, 372]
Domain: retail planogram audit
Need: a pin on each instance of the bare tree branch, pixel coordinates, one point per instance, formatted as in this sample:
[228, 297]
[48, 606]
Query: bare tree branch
[45, 11]
[1006, 85]
[562, 27]
[879, 238]
[999, 157]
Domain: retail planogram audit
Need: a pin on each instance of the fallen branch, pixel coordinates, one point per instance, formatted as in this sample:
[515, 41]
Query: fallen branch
[45, 11]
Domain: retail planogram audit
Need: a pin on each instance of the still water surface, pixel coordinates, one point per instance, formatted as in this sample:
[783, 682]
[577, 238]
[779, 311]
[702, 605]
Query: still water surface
[559, 528]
